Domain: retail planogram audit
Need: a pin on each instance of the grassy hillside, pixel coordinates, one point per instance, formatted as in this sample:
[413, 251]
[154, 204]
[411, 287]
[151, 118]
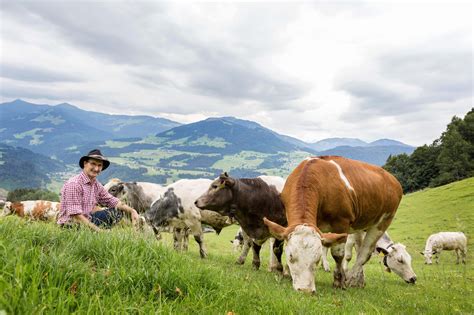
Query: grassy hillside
[49, 270]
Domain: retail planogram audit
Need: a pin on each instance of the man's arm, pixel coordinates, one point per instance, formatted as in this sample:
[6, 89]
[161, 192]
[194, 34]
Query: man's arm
[80, 218]
[133, 212]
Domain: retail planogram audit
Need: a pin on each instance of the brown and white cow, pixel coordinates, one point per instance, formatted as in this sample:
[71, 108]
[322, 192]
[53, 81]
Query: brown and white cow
[33, 209]
[338, 195]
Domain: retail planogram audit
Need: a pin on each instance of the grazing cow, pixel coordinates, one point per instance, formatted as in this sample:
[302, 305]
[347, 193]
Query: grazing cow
[438, 242]
[339, 195]
[248, 200]
[395, 256]
[33, 209]
[176, 209]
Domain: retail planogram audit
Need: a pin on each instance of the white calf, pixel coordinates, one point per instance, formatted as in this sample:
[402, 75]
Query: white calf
[438, 242]
[395, 258]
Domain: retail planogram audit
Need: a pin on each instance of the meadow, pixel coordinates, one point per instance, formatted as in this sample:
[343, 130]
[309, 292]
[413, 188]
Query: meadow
[48, 270]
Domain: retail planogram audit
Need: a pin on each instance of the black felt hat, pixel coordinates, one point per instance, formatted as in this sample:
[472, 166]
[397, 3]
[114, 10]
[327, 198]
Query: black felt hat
[97, 155]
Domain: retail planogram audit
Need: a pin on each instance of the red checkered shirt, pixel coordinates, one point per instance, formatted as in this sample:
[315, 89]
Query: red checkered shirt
[80, 195]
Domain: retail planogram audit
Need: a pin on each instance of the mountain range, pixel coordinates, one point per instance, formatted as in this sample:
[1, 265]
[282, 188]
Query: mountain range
[153, 149]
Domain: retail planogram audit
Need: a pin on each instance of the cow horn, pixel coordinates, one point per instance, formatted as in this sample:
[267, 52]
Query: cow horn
[276, 229]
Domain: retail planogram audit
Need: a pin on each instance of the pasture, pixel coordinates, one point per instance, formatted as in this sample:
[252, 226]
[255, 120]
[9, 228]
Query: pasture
[45, 269]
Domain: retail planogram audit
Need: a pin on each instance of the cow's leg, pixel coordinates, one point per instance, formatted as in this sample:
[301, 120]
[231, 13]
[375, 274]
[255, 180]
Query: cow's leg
[458, 254]
[272, 261]
[355, 277]
[324, 259]
[438, 253]
[247, 243]
[157, 233]
[177, 238]
[463, 254]
[185, 238]
[276, 252]
[337, 252]
[348, 252]
[256, 255]
[196, 230]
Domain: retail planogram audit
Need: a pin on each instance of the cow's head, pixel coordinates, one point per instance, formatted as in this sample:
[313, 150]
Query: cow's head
[162, 210]
[428, 253]
[117, 189]
[303, 251]
[7, 209]
[218, 196]
[398, 260]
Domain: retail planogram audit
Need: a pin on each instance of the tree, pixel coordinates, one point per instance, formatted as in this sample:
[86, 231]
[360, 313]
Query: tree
[455, 158]
[399, 166]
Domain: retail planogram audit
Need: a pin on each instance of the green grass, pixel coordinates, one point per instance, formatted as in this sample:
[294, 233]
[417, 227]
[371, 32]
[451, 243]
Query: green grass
[45, 269]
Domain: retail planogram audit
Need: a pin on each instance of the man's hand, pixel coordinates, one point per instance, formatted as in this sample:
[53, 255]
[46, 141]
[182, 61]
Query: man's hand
[133, 213]
[135, 217]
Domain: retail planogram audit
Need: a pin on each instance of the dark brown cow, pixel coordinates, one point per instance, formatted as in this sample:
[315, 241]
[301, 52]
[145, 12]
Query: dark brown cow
[334, 194]
[249, 200]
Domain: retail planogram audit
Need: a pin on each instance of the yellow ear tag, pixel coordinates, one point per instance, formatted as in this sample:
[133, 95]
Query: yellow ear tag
[381, 254]
[222, 186]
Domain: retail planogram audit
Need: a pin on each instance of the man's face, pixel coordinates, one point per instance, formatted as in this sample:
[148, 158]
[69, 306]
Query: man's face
[92, 168]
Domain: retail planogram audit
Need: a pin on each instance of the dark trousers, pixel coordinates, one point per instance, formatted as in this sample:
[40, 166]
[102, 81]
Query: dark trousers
[106, 218]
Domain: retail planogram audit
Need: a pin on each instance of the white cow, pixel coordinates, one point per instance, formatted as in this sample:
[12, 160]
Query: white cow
[138, 195]
[176, 209]
[395, 258]
[438, 242]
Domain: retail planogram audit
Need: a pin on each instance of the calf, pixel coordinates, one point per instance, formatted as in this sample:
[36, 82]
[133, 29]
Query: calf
[33, 209]
[396, 258]
[438, 242]
[248, 200]
[176, 209]
[278, 182]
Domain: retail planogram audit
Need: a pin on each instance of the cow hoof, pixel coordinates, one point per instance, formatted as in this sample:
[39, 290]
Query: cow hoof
[355, 280]
[339, 285]
[255, 266]
[239, 262]
[355, 283]
[276, 269]
[339, 281]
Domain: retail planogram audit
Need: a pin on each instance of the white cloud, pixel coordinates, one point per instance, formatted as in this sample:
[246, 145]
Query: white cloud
[310, 70]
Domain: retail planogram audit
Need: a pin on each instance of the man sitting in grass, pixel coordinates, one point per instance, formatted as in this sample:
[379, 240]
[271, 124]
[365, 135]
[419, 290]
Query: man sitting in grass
[81, 193]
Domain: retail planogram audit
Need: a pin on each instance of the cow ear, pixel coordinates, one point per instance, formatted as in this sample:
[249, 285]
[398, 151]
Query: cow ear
[329, 239]
[382, 250]
[229, 182]
[276, 229]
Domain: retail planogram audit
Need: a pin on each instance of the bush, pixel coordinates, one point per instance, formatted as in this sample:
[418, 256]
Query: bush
[22, 194]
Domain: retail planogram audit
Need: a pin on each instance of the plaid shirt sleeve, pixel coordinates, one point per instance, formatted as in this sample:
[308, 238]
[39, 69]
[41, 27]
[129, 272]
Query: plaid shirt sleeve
[71, 199]
[104, 198]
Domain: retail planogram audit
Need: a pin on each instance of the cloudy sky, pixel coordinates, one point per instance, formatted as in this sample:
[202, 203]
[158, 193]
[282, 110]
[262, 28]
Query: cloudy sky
[312, 70]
